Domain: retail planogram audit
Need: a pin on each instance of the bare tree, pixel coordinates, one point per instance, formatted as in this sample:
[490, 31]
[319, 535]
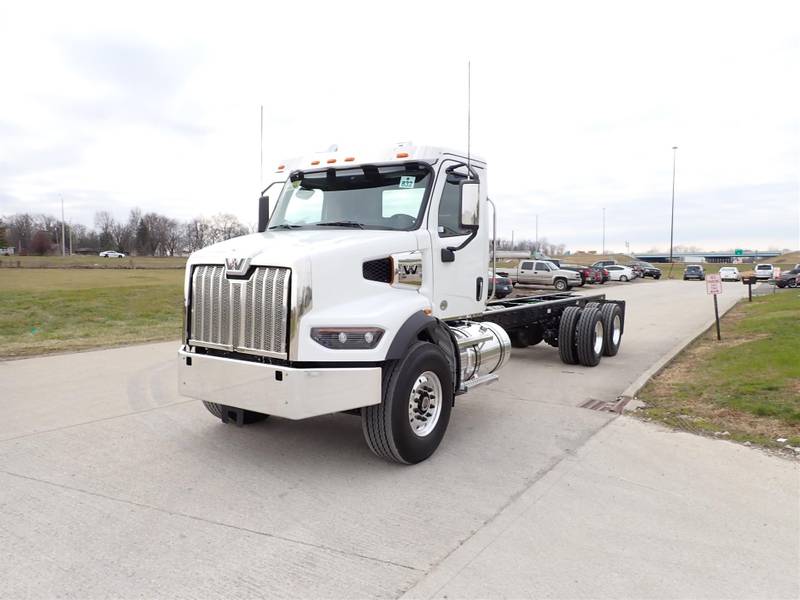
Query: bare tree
[225, 226]
[197, 234]
[20, 231]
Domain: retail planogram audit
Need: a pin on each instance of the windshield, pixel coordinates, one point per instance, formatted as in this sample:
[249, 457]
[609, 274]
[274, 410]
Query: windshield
[365, 197]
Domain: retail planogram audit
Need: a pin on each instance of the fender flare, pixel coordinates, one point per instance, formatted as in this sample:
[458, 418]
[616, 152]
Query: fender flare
[408, 333]
[439, 334]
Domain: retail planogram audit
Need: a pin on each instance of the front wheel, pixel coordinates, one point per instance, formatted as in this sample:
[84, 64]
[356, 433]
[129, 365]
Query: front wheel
[623, 278]
[561, 285]
[411, 420]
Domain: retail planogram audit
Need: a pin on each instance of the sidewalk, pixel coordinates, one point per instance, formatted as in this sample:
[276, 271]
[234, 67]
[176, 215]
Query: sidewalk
[639, 512]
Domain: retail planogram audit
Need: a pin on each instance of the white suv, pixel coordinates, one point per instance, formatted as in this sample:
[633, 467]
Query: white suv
[763, 271]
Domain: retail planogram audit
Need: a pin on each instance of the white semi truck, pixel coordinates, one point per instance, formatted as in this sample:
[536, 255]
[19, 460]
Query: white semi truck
[365, 291]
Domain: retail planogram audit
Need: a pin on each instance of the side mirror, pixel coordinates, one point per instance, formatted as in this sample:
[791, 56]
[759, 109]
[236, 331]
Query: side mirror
[470, 203]
[263, 213]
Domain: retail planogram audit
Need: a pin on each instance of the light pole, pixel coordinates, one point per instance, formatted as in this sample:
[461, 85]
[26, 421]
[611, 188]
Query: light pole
[604, 232]
[672, 214]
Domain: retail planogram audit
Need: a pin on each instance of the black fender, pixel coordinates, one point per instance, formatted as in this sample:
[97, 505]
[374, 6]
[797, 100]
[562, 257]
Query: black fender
[421, 326]
[409, 333]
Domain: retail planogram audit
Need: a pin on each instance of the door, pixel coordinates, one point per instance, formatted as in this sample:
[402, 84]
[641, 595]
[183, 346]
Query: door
[525, 272]
[541, 273]
[459, 285]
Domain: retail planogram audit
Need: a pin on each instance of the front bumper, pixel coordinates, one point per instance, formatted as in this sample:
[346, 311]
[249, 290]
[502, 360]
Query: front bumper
[275, 390]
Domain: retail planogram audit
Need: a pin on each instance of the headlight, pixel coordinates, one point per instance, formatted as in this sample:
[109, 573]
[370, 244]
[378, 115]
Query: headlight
[347, 338]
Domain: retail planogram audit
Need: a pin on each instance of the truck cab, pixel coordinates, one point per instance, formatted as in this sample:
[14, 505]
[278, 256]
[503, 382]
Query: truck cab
[364, 290]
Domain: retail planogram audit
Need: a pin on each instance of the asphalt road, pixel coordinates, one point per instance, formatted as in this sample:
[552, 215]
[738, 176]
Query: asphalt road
[113, 485]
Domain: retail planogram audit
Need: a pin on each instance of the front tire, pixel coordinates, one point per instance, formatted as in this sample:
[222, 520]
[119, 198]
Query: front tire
[623, 278]
[410, 422]
[561, 285]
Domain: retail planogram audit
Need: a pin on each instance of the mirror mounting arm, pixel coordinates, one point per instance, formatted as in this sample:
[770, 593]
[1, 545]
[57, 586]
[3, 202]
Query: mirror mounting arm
[448, 254]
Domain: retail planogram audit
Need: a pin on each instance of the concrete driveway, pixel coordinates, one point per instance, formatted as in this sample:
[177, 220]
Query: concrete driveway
[113, 485]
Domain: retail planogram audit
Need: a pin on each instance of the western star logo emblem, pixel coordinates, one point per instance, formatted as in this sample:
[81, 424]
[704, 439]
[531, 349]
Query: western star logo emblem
[236, 266]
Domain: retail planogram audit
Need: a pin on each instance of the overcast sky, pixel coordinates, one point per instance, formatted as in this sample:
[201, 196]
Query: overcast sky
[576, 106]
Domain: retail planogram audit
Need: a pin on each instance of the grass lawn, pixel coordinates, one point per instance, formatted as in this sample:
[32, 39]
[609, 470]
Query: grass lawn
[747, 385]
[94, 262]
[57, 310]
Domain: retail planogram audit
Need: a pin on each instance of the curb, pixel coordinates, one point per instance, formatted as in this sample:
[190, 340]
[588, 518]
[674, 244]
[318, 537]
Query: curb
[634, 388]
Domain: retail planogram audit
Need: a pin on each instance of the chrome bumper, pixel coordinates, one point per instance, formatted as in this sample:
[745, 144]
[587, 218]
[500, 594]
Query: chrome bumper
[274, 390]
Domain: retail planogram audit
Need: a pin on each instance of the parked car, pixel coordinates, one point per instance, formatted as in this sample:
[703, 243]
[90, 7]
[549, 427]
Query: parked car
[620, 273]
[503, 284]
[588, 274]
[112, 254]
[789, 278]
[638, 271]
[604, 263]
[543, 272]
[764, 271]
[604, 274]
[694, 272]
[730, 274]
[648, 270]
[598, 276]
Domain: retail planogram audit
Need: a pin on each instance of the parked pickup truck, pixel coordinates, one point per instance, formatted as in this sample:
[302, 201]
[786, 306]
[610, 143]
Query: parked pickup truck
[543, 272]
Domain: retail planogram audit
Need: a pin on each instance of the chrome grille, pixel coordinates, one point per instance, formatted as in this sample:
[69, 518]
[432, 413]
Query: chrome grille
[245, 315]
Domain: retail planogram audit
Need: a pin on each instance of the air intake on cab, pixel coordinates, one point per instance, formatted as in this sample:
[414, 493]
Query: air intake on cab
[378, 270]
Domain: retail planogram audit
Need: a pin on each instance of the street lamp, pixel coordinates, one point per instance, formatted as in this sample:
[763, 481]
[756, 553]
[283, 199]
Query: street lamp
[672, 217]
[604, 232]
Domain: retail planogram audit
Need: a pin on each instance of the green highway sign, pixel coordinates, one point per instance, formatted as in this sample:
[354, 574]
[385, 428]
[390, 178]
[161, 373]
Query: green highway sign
[738, 252]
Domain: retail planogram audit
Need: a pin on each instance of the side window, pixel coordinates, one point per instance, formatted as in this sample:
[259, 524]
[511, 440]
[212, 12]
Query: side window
[540, 266]
[450, 208]
[527, 265]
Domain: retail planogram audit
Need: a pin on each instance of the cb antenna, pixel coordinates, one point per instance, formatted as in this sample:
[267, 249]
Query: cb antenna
[469, 114]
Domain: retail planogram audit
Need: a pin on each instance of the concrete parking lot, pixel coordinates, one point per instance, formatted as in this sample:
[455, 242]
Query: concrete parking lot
[113, 485]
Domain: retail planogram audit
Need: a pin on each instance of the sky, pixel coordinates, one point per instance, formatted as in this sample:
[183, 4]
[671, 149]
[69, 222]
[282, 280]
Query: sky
[575, 106]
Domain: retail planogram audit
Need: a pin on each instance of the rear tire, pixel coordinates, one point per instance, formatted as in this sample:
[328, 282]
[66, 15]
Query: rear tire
[249, 417]
[417, 386]
[566, 335]
[590, 337]
[612, 328]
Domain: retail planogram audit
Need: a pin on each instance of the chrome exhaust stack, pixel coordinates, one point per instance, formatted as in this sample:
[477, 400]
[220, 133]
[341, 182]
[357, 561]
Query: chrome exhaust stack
[484, 348]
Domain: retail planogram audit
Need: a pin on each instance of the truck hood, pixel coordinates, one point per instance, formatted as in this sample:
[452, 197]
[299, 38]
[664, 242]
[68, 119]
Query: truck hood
[287, 248]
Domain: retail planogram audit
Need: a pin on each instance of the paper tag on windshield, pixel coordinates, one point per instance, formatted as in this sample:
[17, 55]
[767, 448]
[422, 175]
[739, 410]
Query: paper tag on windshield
[407, 182]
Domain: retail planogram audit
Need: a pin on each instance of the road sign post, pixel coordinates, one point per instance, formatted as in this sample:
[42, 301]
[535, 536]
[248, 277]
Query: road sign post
[714, 288]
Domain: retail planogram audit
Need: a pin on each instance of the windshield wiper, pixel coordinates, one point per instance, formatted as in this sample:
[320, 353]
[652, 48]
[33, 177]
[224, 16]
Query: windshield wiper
[354, 224]
[285, 226]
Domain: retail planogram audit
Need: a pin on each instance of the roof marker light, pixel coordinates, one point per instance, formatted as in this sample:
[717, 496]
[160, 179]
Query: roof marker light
[314, 162]
[330, 161]
[350, 159]
[281, 167]
[402, 155]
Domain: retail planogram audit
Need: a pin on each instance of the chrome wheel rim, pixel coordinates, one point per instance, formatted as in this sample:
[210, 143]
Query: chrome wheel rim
[425, 404]
[598, 338]
[616, 330]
